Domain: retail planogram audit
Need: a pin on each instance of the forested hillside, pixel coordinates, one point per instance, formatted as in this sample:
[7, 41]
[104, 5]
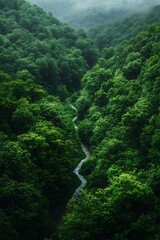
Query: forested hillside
[44, 66]
[50, 50]
[118, 109]
[93, 17]
[38, 145]
[110, 34]
[87, 14]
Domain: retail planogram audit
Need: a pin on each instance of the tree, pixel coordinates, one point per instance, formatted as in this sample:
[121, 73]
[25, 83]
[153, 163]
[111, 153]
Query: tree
[115, 212]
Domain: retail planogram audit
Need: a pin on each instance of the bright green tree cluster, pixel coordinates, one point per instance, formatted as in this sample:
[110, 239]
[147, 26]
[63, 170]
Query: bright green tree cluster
[42, 61]
[38, 145]
[50, 50]
[119, 111]
[38, 152]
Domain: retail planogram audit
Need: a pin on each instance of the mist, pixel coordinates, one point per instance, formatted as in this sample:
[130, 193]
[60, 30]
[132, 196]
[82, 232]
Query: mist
[75, 12]
[85, 4]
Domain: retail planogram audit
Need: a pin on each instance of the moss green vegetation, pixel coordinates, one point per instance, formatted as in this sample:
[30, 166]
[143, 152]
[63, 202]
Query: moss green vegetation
[40, 57]
[119, 111]
[50, 50]
[109, 34]
[42, 63]
[38, 152]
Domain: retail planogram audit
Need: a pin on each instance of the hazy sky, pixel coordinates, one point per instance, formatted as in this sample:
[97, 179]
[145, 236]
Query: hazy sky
[63, 8]
[81, 4]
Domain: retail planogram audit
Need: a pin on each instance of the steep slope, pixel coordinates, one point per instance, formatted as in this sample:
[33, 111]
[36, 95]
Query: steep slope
[38, 145]
[50, 50]
[110, 34]
[93, 17]
[118, 109]
[86, 14]
[119, 112]
[38, 152]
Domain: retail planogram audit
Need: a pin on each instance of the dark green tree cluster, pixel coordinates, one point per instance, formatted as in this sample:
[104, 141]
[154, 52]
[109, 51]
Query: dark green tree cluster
[118, 109]
[120, 121]
[38, 152]
[38, 145]
[92, 17]
[50, 50]
[109, 34]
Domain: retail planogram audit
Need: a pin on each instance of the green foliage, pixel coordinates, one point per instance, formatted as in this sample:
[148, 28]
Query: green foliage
[37, 148]
[118, 117]
[90, 17]
[51, 51]
[120, 120]
[38, 145]
[120, 211]
[110, 34]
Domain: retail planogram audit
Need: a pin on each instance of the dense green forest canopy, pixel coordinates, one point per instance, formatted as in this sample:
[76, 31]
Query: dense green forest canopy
[38, 145]
[50, 50]
[86, 14]
[92, 17]
[110, 34]
[117, 94]
[119, 112]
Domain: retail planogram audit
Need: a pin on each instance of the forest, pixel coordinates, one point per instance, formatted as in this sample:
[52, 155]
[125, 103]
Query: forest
[87, 14]
[111, 74]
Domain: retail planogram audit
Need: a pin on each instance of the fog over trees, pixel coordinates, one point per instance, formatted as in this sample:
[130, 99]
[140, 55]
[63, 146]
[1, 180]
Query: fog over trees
[64, 7]
[110, 75]
[88, 13]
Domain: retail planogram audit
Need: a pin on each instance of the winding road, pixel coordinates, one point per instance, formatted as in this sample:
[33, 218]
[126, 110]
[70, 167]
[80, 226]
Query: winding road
[77, 169]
